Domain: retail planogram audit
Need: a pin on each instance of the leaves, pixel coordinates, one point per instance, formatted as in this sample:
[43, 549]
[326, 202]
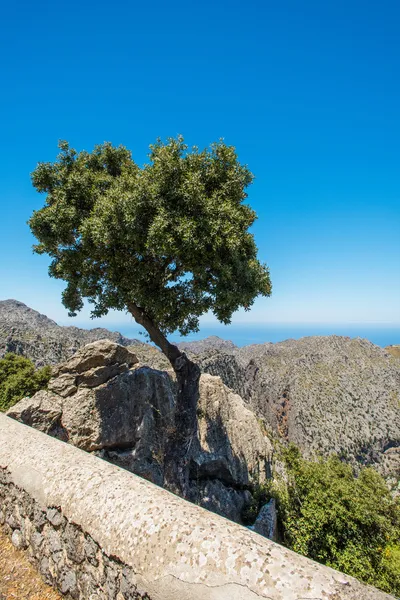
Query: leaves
[349, 523]
[171, 237]
[19, 379]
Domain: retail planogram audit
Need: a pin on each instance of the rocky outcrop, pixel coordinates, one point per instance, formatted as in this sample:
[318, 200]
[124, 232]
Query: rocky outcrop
[103, 400]
[213, 342]
[266, 523]
[26, 332]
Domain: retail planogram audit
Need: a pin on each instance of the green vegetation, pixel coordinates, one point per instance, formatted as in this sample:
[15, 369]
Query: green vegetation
[18, 379]
[349, 523]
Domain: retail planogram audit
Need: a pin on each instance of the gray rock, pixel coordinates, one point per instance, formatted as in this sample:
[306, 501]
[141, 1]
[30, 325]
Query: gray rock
[17, 539]
[266, 523]
[126, 420]
[43, 411]
[327, 394]
[68, 583]
[55, 517]
[213, 342]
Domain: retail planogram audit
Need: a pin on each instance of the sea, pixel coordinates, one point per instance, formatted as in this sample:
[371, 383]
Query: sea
[245, 334]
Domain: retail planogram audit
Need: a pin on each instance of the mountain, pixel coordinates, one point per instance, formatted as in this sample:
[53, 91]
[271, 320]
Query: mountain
[27, 332]
[213, 342]
[328, 394]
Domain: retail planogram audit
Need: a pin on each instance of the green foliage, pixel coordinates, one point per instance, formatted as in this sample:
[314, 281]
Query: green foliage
[171, 237]
[19, 379]
[349, 523]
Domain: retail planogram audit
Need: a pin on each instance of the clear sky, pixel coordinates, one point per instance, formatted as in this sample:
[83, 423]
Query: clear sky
[308, 92]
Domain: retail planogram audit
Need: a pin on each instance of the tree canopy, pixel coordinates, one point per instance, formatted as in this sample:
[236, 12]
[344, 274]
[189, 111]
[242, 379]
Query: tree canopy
[170, 237]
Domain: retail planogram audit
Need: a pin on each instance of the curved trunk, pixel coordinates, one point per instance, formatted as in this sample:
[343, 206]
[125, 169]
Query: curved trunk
[180, 439]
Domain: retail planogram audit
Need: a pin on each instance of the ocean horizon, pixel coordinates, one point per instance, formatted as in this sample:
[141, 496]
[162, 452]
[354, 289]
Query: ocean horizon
[244, 335]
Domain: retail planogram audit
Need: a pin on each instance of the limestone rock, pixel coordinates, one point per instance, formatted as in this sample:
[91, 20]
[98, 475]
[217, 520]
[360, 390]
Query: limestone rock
[43, 412]
[129, 411]
[102, 400]
[93, 365]
[266, 523]
[233, 446]
[327, 394]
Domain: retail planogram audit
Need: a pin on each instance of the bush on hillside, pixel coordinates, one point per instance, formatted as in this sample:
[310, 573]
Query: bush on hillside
[18, 379]
[348, 523]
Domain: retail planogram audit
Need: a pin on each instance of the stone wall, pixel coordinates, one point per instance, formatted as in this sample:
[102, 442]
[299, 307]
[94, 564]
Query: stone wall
[98, 532]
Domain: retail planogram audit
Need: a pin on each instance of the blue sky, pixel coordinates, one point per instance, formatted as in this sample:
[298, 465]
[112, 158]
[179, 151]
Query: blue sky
[308, 92]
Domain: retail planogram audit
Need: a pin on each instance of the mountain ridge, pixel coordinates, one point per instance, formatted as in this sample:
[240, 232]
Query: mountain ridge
[30, 333]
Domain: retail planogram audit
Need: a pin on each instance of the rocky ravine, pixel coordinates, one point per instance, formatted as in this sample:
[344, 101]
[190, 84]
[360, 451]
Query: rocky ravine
[103, 400]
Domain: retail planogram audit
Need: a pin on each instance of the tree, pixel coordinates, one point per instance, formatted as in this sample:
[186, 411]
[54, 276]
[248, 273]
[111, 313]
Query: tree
[19, 379]
[166, 242]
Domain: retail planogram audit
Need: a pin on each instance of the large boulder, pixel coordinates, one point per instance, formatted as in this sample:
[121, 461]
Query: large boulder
[103, 400]
[233, 452]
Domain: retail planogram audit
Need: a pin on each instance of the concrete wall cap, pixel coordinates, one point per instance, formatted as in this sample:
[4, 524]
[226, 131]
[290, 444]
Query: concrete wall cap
[176, 549]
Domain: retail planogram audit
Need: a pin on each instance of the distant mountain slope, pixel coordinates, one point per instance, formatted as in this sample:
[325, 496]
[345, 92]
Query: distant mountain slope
[213, 342]
[326, 394]
[29, 333]
[394, 350]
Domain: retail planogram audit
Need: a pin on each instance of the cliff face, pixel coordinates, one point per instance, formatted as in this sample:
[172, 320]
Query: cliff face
[27, 332]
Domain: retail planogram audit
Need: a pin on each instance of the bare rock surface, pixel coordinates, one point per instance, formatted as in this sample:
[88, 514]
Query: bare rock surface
[212, 342]
[266, 523]
[103, 400]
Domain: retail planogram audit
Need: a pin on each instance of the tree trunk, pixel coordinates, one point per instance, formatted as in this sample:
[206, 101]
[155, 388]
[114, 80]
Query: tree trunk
[180, 440]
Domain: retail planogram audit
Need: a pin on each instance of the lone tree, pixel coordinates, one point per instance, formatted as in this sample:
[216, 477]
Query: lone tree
[166, 242]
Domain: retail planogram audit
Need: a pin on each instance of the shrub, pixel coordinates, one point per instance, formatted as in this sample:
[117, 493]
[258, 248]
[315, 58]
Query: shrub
[349, 523]
[18, 378]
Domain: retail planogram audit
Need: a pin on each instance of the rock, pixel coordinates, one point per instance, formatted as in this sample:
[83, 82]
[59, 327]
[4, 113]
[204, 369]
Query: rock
[213, 342]
[220, 498]
[328, 394]
[233, 446]
[95, 364]
[43, 412]
[266, 523]
[17, 539]
[55, 517]
[102, 400]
